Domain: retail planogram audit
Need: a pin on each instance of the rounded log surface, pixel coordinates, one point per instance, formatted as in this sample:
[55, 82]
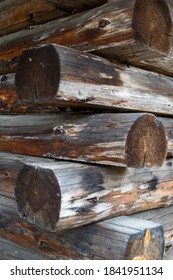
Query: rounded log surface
[42, 70]
[146, 142]
[38, 196]
[152, 24]
[38, 74]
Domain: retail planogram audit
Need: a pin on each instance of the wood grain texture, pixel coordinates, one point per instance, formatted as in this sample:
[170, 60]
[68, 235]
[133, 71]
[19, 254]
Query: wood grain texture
[90, 193]
[119, 238]
[111, 30]
[59, 76]
[134, 140]
[21, 14]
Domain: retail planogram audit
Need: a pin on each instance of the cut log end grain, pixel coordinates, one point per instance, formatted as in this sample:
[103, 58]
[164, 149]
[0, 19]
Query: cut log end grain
[38, 196]
[38, 74]
[152, 24]
[146, 142]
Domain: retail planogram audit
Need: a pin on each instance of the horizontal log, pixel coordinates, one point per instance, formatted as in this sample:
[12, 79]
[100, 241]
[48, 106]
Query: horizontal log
[21, 14]
[134, 140]
[86, 193]
[67, 77]
[119, 28]
[91, 193]
[21, 232]
[115, 239]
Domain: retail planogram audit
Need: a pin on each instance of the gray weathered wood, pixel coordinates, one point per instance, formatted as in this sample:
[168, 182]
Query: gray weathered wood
[67, 77]
[95, 193]
[119, 28]
[115, 239]
[134, 140]
[88, 193]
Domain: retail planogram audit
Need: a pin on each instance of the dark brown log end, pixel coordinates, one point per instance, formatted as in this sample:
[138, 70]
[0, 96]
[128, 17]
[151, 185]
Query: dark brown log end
[38, 74]
[152, 24]
[146, 143]
[38, 196]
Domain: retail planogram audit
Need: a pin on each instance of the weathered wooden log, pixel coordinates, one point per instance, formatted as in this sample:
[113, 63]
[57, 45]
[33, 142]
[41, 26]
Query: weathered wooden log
[94, 192]
[20, 14]
[134, 140]
[115, 239]
[118, 29]
[55, 75]
[18, 230]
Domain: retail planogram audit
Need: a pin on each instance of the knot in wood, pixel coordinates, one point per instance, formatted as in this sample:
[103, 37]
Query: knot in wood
[103, 23]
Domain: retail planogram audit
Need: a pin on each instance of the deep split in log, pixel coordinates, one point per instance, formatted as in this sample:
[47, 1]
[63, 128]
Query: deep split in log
[133, 140]
[119, 29]
[60, 76]
[121, 238]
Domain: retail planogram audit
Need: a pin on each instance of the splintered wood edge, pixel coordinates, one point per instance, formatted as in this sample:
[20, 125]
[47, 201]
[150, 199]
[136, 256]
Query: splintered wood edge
[38, 74]
[146, 143]
[152, 24]
[38, 196]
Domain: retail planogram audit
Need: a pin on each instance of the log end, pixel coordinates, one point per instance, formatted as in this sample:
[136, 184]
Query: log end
[38, 196]
[152, 25]
[151, 247]
[146, 143]
[38, 74]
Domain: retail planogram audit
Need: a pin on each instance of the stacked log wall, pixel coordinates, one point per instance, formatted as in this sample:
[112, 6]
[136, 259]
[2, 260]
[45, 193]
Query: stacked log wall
[97, 175]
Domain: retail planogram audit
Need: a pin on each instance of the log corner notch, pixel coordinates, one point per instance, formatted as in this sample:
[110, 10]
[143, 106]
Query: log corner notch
[152, 24]
[146, 142]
